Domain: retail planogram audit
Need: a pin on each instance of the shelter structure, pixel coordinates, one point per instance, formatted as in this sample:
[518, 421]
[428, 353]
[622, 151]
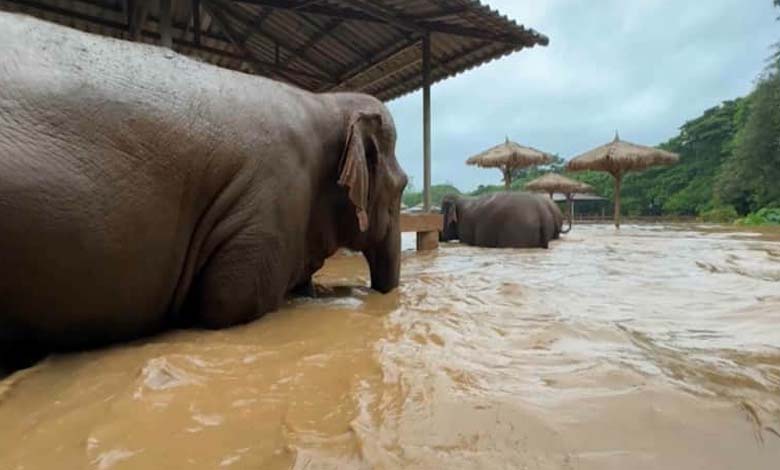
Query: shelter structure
[585, 202]
[618, 158]
[386, 48]
[508, 157]
[554, 183]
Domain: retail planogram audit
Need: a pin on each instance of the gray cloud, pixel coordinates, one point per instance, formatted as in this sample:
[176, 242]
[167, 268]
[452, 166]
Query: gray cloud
[643, 67]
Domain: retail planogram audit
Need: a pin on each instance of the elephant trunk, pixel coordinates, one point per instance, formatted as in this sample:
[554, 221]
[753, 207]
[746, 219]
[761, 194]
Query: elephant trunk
[567, 229]
[570, 214]
[384, 261]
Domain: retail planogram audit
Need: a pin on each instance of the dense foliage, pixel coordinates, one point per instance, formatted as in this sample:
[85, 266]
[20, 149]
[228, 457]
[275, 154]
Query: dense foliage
[750, 179]
[412, 198]
[764, 216]
[688, 188]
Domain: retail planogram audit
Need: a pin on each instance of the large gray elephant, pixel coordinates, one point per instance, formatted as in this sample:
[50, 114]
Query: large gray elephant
[141, 189]
[502, 220]
[557, 215]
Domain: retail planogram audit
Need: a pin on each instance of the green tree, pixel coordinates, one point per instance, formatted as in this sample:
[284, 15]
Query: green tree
[438, 191]
[685, 188]
[750, 179]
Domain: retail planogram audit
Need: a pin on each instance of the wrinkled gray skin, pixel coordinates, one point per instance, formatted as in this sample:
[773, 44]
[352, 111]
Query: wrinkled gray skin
[500, 220]
[140, 189]
[557, 216]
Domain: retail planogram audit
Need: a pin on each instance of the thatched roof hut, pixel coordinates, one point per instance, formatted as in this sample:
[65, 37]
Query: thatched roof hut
[509, 156]
[619, 157]
[555, 183]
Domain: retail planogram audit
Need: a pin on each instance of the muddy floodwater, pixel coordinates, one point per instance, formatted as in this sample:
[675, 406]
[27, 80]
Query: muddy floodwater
[657, 347]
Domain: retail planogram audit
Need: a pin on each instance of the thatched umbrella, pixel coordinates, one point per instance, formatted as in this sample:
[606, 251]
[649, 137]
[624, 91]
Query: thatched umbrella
[618, 158]
[508, 157]
[555, 183]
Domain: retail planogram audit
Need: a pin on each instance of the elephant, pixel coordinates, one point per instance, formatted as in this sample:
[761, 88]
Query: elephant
[500, 220]
[557, 215]
[142, 190]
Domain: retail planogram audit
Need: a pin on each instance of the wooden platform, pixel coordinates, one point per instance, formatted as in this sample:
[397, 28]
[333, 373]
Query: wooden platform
[426, 225]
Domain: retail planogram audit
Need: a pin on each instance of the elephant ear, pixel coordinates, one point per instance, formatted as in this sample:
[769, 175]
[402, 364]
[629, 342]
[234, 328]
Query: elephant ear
[355, 174]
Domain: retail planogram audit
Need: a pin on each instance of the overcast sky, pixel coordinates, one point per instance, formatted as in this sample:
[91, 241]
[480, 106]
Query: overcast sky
[643, 67]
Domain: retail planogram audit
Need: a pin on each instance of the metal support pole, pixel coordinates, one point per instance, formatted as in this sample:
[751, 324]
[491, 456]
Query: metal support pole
[166, 30]
[137, 10]
[196, 20]
[427, 122]
[129, 10]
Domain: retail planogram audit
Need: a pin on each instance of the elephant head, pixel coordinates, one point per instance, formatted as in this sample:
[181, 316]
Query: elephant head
[372, 181]
[449, 210]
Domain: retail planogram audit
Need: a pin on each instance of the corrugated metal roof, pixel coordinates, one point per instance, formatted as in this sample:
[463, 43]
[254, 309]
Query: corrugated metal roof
[321, 45]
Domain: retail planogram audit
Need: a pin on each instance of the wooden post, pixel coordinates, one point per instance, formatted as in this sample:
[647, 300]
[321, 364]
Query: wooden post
[196, 21]
[427, 241]
[570, 200]
[166, 31]
[507, 177]
[427, 227]
[618, 183]
[426, 66]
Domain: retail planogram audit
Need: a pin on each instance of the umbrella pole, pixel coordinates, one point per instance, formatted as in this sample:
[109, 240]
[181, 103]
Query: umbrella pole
[618, 184]
[570, 200]
[507, 178]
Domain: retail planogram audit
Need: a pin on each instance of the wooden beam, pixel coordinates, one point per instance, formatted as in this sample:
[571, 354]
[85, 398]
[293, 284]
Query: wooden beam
[435, 66]
[345, 44]
[313, 40]
[224, 24]
[366, 87]
[306, 4]
[78, 5]
[382, 58]
[257, 22]
[333, 12]
[386, 15]
[220, 7]
[436, 15]
[365, 65]
[438, 65]
[255, 28]
[486, 35]
[421, 222]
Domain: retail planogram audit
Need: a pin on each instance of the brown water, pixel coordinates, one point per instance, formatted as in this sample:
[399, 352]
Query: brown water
[656, 348]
